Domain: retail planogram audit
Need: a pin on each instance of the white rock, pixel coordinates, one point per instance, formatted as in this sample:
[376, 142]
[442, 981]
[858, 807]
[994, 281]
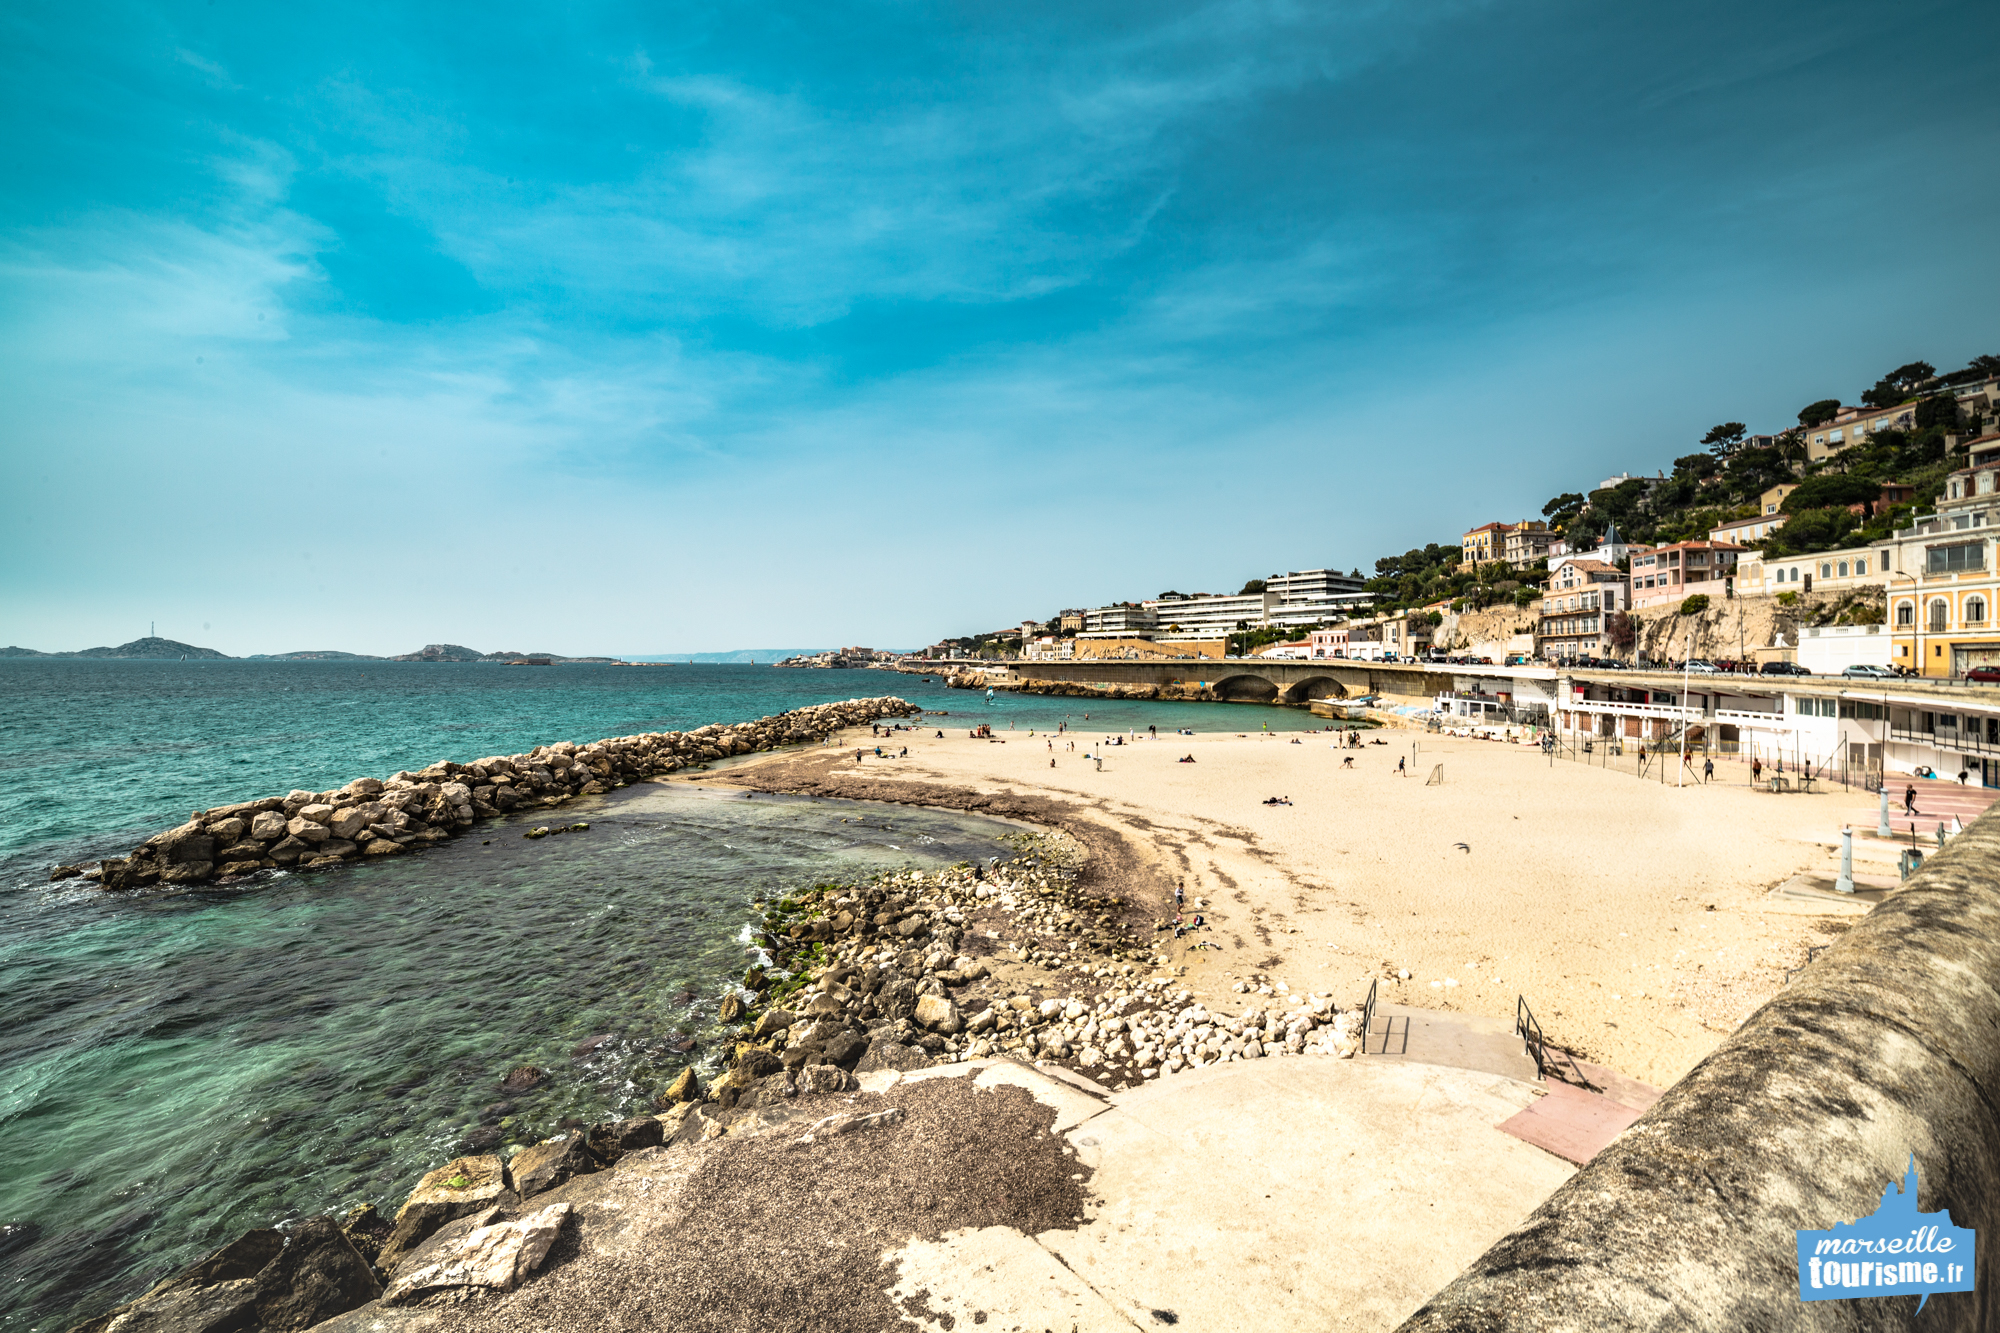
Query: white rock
[497, 1256]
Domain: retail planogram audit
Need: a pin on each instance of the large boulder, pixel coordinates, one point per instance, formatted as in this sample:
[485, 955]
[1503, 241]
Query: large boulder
[228, 830]
[215, 1295]
[306, 830]
[937, 1013]
[268, 826]
[455, 1189]
[686, 1087]
[543, 1166]
[319, 1275]
[346, 823]
[897, 999]
[775, 1020]
[288, 849]
[496, 1256]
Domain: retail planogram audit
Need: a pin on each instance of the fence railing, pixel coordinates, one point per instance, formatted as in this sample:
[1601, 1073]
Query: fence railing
[1530, 1033]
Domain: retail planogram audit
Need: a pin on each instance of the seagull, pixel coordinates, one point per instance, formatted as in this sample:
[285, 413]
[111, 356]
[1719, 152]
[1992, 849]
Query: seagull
[1463, 848]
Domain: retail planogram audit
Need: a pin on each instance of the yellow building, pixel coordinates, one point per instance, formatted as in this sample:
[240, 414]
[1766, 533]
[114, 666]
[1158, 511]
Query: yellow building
[1944, 588]
[1482, 545]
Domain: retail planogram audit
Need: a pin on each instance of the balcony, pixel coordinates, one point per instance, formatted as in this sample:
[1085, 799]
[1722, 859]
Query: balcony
[1959, 740]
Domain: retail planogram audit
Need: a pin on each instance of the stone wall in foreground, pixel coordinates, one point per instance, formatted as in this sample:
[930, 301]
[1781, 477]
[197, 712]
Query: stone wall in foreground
[383, 817]
[1887, 1046]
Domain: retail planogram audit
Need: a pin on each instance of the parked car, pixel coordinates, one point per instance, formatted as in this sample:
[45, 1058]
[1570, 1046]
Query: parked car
[1783, 669]
[1984, 675]
[1701, 668]
[1864, 671]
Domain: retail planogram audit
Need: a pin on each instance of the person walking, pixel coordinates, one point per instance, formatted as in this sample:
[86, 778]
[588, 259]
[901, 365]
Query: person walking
[1910, 799]
[1756, 770]
[1707, 770]
[1402, 767]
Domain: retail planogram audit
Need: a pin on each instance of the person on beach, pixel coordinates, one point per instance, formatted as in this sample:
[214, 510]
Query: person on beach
[1910, 799]
[1347, 762]
[1707, 770]
[1756, 770]
[1403, 767]
[940, 735]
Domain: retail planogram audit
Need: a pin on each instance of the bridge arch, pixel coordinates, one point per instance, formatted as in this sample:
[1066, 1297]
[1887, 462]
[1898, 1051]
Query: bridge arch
[1313, 687]
[1245, 687]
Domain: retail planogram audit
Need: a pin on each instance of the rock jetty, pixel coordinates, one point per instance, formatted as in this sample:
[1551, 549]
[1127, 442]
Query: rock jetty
[374, 817]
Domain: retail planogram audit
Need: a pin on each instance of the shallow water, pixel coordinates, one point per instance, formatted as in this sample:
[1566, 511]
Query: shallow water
[181, 1069]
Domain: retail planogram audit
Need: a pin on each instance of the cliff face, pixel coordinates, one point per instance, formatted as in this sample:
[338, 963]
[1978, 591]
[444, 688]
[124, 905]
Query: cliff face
[1731, 628]
[1494, 632]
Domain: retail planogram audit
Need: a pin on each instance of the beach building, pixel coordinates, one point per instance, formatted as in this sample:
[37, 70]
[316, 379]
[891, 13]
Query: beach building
[1577, 607]
[1298, 650]
[1672, 573]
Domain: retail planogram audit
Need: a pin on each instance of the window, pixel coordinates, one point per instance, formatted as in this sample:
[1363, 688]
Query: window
[1860, 569]
[1938, 613]
[1843, 569]
[1975, 610]
[1906, 613]
[1986, 483]
[1956, 557]
[1825, 570]
[1770, 509]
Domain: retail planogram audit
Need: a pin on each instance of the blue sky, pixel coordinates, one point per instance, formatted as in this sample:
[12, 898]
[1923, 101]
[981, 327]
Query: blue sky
[637, 328]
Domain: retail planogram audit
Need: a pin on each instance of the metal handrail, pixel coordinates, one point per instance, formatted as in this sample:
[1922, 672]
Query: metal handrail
[1530, 1033]
[1368, 1015]
[1812, 952]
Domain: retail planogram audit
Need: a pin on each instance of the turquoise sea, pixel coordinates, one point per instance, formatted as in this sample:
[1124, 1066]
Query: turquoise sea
[178, 1069]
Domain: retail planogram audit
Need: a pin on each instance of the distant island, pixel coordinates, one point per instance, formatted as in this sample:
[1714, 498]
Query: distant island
[157, 649]
[170, 650]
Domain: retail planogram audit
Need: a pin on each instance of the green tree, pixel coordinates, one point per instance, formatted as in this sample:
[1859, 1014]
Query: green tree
[1937, 410]
[1812, 530]
[1725, 439]
[1697, 466]
[1563, 509]
[1254, 585]
[1899, 384]
[1831, 488]
[1695, 605]
[1819, 413]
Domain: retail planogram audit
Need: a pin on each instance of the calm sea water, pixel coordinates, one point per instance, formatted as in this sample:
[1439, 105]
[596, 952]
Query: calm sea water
[175, 1070]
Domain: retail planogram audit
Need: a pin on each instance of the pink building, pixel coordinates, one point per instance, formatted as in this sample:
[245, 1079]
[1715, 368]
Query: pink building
[1670, 574]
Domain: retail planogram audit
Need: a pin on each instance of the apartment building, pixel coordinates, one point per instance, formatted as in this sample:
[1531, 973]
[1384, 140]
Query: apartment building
[1526, 543]
[1851, 424]
[1943, 585]
[1482, 545]
[1743, 531]
[1122, 618]
[1315, 597]
[1828, 571]
[1575, 622]
[1667, 574]
[1204, 617]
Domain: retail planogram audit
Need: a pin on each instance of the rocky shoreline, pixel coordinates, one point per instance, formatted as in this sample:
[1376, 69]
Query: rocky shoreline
[373, 817]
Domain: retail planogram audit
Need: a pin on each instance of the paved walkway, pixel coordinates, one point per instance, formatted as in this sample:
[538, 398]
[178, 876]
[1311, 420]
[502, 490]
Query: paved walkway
[1269, 1194]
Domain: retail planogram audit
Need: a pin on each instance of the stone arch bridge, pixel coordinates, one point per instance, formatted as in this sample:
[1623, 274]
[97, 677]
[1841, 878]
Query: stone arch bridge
[1251, 680]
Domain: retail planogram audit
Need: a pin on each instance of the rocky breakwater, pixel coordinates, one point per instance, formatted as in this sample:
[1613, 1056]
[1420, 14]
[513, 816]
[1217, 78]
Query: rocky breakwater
[373, 817]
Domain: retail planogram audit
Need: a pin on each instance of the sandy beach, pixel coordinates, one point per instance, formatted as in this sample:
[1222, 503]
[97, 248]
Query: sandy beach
[1636, 918]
